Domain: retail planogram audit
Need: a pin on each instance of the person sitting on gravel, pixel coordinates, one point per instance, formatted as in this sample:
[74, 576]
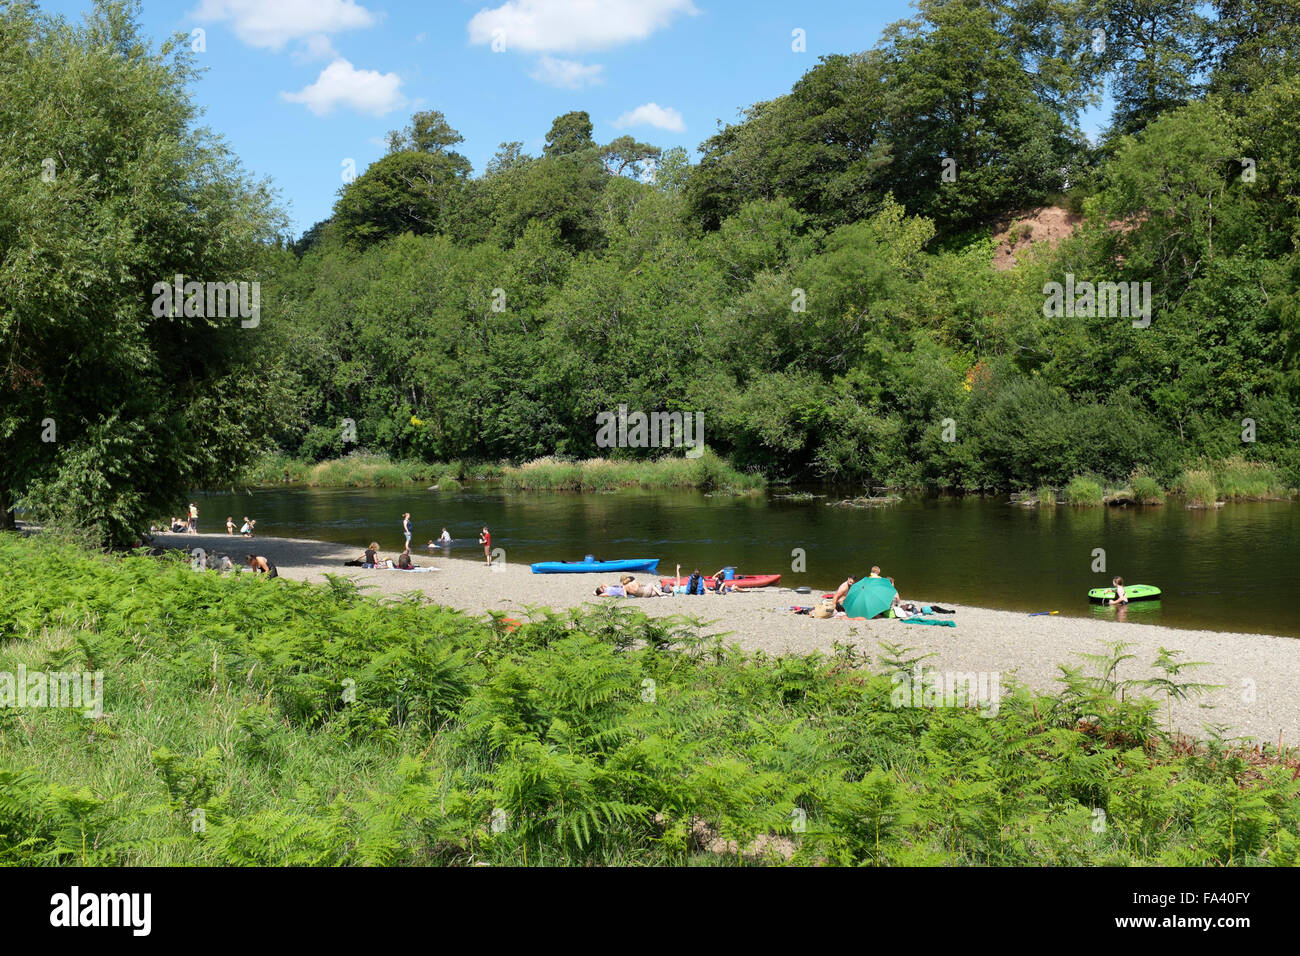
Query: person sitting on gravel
[404, 562]
[720, 583]
[261, 565]
[843, 589]
[371, 557]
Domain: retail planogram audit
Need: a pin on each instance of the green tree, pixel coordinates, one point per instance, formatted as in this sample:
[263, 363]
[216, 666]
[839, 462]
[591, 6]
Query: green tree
[570, 133]
[113, 408]
[1154, 52]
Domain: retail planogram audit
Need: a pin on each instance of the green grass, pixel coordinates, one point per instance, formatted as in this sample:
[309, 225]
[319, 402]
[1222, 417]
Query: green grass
[1198, 488]
[273, 722]
[1146, 490]
[1083, 492]
[1241, 480]
[364, 471]
[708, 473]
[1046, 496]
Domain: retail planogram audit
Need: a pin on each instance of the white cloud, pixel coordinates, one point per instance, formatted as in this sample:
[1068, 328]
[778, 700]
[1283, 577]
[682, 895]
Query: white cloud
[573, 26]
[652, 114]
[342, 84]
[270, 24]
[315, 47]
[570, 74]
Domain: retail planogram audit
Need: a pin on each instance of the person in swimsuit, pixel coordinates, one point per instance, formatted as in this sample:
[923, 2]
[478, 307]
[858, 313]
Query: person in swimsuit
[230, 525]
[1121, 596]
[610, 590]
[632, 588]
[261, 565]
[406, 529]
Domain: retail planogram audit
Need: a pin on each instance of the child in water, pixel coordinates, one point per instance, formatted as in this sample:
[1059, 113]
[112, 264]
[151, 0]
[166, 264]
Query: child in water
[1121, 596]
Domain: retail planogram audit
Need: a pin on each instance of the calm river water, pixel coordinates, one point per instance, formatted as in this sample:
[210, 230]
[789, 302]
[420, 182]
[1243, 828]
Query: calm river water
[1234, 568]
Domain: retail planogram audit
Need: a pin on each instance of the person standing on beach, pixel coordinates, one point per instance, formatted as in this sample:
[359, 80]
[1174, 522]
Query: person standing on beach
[406, 529]
[485, 539]
[230, 525]
[194, 518]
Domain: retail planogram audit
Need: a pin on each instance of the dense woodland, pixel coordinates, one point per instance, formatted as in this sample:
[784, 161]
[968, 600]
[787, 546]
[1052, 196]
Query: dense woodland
[631, 276]
[820, 283]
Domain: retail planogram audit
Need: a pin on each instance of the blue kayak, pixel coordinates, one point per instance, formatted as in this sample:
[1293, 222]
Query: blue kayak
[647, 565]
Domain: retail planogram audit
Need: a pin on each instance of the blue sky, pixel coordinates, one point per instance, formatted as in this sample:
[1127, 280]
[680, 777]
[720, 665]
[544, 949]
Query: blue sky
[298, 87]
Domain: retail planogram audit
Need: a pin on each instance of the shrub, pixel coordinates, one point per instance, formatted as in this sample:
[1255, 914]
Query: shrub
[1198, 487]
[1084, 492]
[1146, 490]
[1238, 479]
[1046, 495]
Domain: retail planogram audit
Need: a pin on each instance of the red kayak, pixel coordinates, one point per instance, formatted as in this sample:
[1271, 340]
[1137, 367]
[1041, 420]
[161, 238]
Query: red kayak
[739, 581]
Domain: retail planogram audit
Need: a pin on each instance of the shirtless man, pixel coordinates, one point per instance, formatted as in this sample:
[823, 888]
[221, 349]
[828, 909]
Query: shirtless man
[842, 590]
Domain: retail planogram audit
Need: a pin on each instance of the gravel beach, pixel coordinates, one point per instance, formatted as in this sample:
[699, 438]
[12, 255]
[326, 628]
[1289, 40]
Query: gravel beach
[1259, 696]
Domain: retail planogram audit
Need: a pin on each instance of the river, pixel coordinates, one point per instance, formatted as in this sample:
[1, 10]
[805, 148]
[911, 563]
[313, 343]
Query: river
[1234, 568]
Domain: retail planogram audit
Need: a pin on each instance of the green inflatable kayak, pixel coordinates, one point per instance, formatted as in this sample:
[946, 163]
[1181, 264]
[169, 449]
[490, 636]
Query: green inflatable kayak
[1135, 592]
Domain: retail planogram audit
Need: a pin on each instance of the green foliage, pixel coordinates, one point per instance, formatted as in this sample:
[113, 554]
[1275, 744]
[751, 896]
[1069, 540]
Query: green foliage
[815, 287]
[1198, 488]
[290, 724]
[1083, 492]
[111, 413]
[1146, 490]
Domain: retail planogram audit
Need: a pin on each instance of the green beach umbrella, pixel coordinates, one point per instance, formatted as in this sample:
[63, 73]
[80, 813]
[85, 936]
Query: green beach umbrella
[869, 597]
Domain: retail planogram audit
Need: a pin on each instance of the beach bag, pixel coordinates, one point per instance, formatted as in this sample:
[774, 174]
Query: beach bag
[824, 610]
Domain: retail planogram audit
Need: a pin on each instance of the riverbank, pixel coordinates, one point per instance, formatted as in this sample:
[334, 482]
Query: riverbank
[1257, 674]
[706, 472]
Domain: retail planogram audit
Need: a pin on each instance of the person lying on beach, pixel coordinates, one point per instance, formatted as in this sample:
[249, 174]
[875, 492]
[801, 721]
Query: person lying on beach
[610, 590]
[843, 589]
[1121, 596]
[261, 565]
[632, 588]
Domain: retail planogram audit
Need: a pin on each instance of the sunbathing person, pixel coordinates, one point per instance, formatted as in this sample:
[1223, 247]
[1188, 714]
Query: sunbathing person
[610, 590]
[633, 589]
